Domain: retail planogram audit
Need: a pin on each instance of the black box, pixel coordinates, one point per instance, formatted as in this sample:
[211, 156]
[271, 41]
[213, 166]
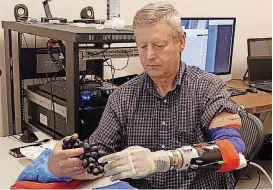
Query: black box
[43, 119]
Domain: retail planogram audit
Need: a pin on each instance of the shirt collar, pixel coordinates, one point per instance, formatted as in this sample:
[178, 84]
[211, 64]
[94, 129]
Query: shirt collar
[148, 82]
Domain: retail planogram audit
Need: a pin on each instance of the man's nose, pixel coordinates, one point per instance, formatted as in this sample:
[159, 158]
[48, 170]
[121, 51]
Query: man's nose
[150, 53]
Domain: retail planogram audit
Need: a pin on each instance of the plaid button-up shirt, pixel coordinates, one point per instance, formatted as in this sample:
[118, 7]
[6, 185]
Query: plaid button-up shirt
[136, 115]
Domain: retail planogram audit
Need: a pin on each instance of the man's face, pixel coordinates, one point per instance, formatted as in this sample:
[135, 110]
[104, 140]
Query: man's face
[158, 51]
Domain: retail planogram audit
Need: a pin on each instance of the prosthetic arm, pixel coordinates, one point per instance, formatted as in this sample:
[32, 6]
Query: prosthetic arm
[138, 162]
[215, 156]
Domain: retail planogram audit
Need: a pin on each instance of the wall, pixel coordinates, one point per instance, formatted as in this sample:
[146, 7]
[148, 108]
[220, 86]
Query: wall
[253, 20]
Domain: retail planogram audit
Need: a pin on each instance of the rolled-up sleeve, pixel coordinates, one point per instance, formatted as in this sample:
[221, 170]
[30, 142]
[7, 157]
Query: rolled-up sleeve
[216, 99]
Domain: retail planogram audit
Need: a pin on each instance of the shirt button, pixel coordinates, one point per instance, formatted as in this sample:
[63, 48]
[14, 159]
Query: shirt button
[165, 101]
[163, 146]
[163, 123]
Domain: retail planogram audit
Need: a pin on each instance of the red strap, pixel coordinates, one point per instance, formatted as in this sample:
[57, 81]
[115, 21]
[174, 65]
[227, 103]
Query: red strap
[229, 154]
[38, 185]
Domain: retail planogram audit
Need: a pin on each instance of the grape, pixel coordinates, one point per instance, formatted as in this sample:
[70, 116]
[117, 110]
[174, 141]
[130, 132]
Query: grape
[92, 166]
[65, 141]
[94, 149]
[101, 153]
[95, 171]
[88, 154]
[91, 154]
[101, 169]
[81, 144]
[89, 170]
[94, 155]
[82, 157]
[85, 163]
[87, 148]
[69, 146]
[76, 145]
[103, 164]
[91, 160]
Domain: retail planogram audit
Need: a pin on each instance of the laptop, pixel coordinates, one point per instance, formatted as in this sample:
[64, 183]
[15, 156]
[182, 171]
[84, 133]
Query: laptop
[260, 72]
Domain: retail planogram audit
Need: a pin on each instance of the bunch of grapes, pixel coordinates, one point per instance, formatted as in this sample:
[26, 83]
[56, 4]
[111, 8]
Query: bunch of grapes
[90, 156]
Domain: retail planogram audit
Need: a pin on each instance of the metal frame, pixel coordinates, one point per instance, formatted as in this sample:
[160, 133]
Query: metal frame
[73, 36]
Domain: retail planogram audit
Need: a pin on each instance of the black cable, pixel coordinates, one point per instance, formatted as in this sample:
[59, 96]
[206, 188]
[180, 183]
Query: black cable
[259, 175]
[25, 39]
[57, 62]
[92, 54]
[128, 58]
[112, 69]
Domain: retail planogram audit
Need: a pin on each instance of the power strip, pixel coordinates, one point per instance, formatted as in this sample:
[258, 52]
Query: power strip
[104, 53]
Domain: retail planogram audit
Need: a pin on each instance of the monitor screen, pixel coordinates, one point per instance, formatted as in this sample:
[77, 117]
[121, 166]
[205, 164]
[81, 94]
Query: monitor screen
[209, 43]
[259, 68]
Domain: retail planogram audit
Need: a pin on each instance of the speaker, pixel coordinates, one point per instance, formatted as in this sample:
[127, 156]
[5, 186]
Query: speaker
[87, 13]
[20, 12]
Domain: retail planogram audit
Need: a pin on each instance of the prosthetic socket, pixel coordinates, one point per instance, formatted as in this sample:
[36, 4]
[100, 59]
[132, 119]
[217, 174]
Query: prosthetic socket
[205, 156]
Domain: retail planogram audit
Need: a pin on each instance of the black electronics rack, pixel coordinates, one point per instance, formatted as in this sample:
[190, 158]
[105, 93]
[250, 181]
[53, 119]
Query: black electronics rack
[73, 37]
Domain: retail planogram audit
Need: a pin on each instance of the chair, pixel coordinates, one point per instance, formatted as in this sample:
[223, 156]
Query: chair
[252, 132]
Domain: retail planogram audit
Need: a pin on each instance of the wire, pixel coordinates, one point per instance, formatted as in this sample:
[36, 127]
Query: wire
[259, 177]
[57, 62]
[256, 166]
[112, 69]
[128, 58]
[92, 54]
[25, 39]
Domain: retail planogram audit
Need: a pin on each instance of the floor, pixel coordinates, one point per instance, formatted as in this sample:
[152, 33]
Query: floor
[251, 183]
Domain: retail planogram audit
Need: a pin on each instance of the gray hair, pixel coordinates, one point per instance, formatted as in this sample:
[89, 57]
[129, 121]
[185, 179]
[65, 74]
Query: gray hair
[155, 12]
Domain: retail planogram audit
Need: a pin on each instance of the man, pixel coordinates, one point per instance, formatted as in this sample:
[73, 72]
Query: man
[170, 106]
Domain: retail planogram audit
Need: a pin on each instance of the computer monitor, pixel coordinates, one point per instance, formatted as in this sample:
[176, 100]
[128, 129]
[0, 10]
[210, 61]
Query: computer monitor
[209, 43]
[259, 47]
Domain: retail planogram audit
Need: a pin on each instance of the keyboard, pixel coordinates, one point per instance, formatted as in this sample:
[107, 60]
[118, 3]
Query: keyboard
[236, 92]
[267, 87]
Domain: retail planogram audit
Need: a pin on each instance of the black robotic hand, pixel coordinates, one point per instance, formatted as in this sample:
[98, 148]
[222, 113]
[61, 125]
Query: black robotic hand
[90, 156]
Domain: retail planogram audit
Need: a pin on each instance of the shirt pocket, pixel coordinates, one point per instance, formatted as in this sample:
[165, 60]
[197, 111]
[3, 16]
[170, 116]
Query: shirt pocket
[183, 138]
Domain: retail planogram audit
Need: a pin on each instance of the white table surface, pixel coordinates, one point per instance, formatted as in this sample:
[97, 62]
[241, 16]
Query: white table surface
[11, 167]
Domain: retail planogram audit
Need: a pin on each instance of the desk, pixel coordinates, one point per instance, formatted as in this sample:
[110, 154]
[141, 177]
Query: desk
[252, 102]
[12, 167]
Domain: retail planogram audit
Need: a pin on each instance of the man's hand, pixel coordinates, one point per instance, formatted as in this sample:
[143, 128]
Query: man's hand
[61, 162]
[133, 162]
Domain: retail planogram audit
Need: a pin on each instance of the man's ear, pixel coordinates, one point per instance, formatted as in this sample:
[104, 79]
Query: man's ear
[182, 40]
